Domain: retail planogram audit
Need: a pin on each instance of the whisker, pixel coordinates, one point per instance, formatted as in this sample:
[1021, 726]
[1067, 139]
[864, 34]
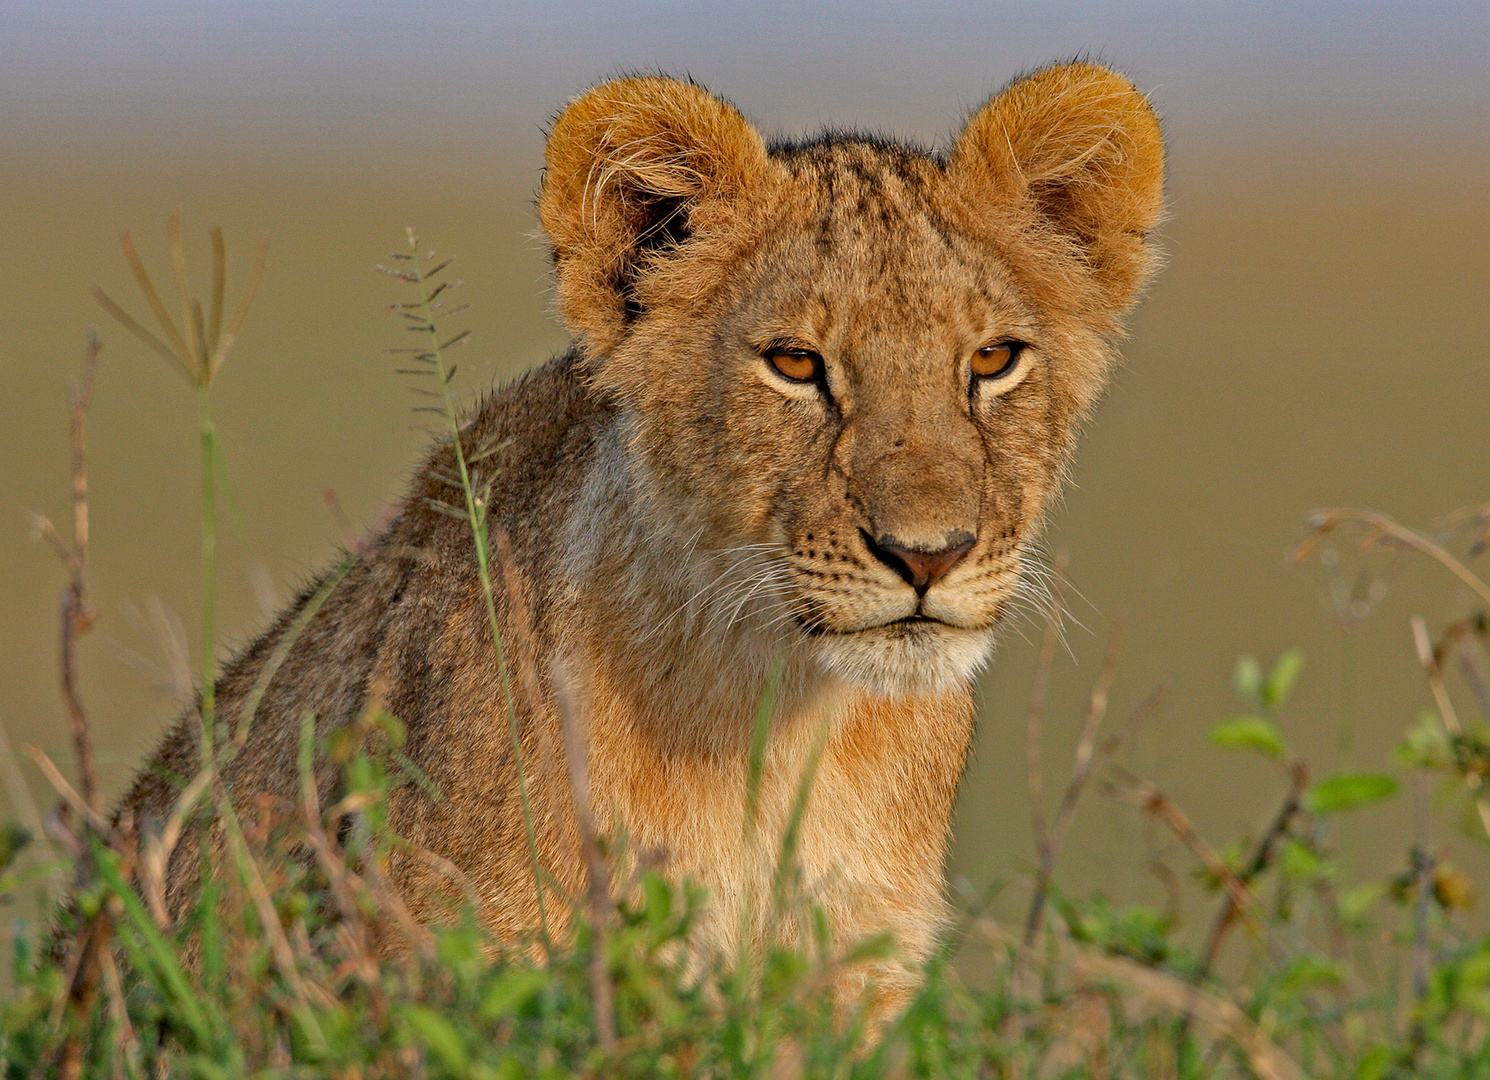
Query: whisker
[739, 558]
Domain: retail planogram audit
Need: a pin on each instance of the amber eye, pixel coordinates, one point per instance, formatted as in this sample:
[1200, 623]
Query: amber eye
[996, 361]
[798, 365]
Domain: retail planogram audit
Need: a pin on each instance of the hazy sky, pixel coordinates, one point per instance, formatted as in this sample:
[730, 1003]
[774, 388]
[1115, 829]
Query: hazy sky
[335, 71]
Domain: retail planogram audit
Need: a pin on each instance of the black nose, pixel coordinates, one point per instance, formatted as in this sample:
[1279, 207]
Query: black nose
[921, 569]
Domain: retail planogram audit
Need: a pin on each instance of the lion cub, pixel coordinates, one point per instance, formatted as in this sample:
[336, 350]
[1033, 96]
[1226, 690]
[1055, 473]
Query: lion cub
[820, 397]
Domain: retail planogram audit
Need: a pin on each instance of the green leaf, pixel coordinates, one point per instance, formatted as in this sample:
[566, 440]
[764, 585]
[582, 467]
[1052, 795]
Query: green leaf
[1308, 973]
[659, 898]
[439, 1036]
[1356, 903]
[1299, 862]
[512, 1068]
[1426, 744]
[13, 840]
[510, 993]
[1280, 680]
[1247, 680]
[784, 970]
[1249, 733]
[1377, 1063]
[1347, 791]
[873, 947]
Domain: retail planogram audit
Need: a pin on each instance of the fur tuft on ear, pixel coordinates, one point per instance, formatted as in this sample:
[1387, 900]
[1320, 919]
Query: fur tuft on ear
[1078, 150]
[630, 165]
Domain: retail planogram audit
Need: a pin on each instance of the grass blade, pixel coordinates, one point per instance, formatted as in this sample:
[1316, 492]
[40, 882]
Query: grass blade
[147, 287]
[219, 288]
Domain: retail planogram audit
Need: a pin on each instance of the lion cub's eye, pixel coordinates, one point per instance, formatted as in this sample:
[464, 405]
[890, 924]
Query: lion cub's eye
[798, 365]
[996, 361]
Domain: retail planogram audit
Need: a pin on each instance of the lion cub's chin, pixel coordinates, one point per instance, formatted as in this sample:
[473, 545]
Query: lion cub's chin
[906, 660]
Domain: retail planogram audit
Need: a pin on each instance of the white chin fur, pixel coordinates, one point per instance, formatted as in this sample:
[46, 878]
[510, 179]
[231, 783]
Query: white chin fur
[895, 662]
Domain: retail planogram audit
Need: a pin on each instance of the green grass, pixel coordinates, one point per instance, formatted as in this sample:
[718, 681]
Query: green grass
[298, 960]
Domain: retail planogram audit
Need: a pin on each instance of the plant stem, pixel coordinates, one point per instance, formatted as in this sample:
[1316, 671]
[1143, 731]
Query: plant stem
[476, 515]
[76, 618]
[1350, 644]
[765, 709]
[208, 431]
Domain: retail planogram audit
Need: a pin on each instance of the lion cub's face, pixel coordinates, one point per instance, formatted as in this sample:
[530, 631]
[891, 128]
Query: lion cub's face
[853, 371]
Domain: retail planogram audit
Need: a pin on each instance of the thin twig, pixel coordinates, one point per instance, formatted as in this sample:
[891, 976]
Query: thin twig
[1087, 754]
[92, 942]
[76, 617]
[1154, 802]
[119, 1009]
[81, 991]
[1034, 781]
[1262, 858]
[1423, 864]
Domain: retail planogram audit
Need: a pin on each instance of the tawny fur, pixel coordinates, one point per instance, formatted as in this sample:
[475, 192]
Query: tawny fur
[681, 516]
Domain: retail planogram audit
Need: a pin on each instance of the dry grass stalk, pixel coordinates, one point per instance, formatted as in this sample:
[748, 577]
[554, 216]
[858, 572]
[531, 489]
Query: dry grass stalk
[1380, 528]
[1216, 1018]
[69, 794]
[76, 616]
[198, 345]
[598, 902]
[91, 946]
[160, 847]
[597, 891]
[1033, 722]
[1455, 643]
[1088, 753]
[1137, 993]
[18, 791]
[356, 936]
[273, 929]
[1433, 672]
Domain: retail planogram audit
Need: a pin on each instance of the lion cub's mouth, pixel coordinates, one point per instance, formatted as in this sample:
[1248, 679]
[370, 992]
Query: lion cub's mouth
[917, 625]
[909, 624]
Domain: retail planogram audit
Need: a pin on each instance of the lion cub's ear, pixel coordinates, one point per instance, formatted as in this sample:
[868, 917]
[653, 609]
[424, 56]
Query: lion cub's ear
[634, 167]
[1074, 150]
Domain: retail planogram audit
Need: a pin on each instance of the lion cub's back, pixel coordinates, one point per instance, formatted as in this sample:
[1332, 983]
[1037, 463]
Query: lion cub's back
[376, 630]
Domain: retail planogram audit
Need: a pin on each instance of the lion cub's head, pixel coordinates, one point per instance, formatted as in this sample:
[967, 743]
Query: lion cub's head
[852, 367]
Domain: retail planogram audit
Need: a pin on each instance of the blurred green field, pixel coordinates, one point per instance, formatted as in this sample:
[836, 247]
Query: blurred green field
[1320, 337]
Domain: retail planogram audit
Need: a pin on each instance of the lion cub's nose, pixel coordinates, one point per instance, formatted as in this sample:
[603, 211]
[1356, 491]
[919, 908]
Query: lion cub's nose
[921, 569]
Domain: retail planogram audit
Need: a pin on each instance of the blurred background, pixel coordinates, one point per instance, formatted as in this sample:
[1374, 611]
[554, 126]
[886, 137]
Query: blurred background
[1320, 337]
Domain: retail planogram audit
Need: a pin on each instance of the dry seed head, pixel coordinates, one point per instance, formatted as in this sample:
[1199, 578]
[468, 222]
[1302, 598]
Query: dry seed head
[199, 344]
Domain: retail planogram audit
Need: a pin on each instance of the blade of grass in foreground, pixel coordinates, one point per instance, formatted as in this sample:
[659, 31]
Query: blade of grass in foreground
[421, 314]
